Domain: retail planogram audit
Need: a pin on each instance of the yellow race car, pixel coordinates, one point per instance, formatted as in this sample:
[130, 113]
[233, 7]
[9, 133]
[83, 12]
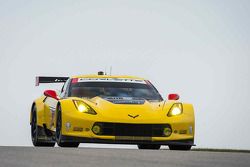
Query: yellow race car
[110, 109]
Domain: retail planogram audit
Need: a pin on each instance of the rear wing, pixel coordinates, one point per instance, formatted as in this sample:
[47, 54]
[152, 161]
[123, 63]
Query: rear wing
[40, 79]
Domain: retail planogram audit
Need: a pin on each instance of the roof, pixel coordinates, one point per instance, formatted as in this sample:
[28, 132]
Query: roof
[108, 76]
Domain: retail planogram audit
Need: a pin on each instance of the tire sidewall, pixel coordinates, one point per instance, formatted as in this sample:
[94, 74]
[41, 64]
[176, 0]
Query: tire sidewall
[34, 127]
[59, 126]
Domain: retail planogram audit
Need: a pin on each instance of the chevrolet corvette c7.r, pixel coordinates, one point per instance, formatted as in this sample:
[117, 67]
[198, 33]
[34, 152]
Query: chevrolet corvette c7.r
[110, 109]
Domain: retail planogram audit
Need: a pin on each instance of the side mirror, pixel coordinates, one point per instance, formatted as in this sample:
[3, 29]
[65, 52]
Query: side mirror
[173, 97]
[51, 93]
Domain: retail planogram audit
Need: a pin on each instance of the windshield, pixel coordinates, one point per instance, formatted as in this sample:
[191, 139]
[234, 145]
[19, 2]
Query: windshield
[114, 89]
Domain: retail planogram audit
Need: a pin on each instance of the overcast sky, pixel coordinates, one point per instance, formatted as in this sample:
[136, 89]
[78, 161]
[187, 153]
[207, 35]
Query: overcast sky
[199, 49]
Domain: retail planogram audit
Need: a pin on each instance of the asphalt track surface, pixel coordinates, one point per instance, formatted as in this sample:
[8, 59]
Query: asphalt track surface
[106, 157]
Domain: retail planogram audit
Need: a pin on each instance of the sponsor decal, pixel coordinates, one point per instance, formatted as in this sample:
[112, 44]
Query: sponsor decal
[126, 80]
[125, 100]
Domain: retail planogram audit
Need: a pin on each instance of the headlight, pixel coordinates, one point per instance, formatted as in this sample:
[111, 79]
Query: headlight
[175, 110]
[83, 107]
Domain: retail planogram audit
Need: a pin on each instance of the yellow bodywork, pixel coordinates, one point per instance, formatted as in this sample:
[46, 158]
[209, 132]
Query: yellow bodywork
[183, 125]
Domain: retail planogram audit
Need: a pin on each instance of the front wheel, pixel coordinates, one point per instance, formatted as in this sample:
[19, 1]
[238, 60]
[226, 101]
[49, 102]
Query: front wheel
[180, 147]
[59, 132]
[149, 146]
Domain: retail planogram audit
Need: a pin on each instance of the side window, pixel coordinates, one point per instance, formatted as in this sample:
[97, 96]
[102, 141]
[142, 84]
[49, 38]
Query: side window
[65, 88]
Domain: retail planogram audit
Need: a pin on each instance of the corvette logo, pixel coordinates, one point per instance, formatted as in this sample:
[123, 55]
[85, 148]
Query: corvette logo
[133, 116]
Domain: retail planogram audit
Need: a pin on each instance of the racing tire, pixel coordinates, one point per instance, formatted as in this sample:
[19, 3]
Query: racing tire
[59, 141]
[180, 147]
[36, 132]
[149, 146]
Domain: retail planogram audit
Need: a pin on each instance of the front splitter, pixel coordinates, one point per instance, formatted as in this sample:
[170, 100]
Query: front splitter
[189, 142]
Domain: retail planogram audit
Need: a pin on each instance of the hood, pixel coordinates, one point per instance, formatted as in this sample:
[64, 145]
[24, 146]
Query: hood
[126, 109]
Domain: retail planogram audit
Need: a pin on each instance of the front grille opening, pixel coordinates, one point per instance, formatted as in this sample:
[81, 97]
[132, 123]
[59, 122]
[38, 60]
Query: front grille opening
[123, 129]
